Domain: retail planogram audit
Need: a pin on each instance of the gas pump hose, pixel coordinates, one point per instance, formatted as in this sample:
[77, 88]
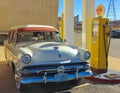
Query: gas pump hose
[105, 45]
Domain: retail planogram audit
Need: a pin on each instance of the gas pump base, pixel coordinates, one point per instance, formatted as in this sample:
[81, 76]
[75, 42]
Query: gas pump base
[110, 77]
[100, 71]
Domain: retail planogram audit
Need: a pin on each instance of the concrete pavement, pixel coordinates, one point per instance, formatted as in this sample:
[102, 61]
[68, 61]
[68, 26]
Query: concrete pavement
[114, 63]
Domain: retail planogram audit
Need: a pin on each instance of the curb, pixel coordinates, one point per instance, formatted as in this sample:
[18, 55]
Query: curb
[103, 80]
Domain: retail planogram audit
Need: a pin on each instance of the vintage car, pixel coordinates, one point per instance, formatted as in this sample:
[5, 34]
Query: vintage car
[115, 34]
[37, 54]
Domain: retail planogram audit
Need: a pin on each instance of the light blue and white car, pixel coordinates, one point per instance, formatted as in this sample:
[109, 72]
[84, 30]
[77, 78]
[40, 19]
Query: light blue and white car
[37, 54]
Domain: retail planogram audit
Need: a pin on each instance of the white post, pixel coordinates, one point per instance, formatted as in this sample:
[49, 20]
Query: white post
[88, 9]
[69, 21]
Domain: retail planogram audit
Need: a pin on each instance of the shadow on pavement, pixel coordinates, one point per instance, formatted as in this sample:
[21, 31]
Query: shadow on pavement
[48, 88]
[52, 87]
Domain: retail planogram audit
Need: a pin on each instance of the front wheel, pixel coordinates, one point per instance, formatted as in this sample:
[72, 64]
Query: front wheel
[19, 85]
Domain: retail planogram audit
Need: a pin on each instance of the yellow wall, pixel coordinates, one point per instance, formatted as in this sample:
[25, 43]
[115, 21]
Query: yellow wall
[17, 12]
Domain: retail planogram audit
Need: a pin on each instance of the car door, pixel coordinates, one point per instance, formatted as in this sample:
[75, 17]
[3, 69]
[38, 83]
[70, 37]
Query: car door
[9, 46]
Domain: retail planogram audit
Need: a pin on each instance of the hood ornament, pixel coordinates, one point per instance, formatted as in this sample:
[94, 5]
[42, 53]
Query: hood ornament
[56, 48]
[61, 69]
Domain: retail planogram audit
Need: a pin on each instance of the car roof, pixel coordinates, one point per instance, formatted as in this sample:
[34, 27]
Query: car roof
[32, 28]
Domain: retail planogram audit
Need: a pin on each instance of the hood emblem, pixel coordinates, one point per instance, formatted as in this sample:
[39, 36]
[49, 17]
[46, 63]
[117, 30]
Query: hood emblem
[61, 69]
[59, 55]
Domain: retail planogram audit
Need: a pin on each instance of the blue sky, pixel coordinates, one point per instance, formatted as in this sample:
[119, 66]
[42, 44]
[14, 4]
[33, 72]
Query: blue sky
[78, 7]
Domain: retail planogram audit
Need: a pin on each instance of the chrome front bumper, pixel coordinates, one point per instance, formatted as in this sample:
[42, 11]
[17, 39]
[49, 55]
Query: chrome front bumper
[46, 78]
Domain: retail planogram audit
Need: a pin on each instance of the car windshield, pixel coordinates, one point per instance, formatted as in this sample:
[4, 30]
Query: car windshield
[38, 36]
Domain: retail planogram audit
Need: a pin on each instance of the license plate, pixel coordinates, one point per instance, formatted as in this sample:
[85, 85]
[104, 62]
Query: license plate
[61, 77]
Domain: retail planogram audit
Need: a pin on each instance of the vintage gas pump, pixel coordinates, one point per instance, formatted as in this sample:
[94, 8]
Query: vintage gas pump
[100, 42]
[61, 27]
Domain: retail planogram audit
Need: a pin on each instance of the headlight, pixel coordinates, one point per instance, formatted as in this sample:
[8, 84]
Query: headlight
[26, 59]
[87, 66]
[87, 55]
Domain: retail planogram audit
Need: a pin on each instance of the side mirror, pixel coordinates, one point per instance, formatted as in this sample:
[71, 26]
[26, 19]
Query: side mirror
[9, 41]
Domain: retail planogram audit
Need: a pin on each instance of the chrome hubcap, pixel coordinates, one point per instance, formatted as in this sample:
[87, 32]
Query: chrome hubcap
[18, 85]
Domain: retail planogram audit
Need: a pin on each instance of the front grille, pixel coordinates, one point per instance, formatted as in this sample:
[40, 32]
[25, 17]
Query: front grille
[52, 69]
[53, 66]
[49, 74]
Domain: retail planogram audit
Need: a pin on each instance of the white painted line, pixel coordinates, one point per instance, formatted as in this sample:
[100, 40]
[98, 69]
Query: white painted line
[83, 85]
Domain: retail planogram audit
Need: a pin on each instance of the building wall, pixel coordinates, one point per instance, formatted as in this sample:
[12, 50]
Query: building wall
[76, 19]
[17, 12]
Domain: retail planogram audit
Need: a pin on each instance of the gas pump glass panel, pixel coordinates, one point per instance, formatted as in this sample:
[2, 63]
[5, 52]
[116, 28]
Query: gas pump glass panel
[95, 28]
[95, 31]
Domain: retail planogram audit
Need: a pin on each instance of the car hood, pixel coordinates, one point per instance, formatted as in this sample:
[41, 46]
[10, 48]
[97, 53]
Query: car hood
[51, 51]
